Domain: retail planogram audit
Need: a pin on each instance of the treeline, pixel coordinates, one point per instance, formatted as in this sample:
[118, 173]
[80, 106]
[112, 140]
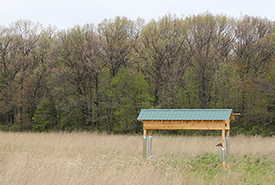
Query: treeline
[97, 78]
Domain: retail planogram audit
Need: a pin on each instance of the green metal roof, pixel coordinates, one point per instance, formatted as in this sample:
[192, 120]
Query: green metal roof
[184, 114]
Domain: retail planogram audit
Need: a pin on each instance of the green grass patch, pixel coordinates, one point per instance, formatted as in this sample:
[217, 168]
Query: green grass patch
[207, 168]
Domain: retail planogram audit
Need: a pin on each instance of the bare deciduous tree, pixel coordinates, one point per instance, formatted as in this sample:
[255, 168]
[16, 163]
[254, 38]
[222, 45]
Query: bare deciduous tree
[209, 41]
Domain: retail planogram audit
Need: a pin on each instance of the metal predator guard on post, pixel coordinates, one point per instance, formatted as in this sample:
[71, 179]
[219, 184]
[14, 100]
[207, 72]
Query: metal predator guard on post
[187, 119]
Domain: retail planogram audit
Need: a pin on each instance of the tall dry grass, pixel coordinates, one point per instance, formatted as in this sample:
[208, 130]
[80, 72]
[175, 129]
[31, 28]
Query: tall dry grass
[89, 158]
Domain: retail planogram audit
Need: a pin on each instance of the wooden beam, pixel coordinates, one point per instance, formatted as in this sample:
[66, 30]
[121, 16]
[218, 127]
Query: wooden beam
[236, 114]
[187, 124]
[223, 138]
[232, 116]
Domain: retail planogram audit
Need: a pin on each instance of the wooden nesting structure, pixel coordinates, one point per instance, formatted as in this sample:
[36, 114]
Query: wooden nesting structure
[187, 119]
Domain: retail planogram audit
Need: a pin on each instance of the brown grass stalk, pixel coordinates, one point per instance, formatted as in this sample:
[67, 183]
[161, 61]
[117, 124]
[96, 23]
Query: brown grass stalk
[90, 158]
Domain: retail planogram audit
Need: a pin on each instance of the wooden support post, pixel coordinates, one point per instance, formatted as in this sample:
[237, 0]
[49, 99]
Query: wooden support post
[227, 148]
[150, 144]
[144, 144]
[223, 148]
[145, 132]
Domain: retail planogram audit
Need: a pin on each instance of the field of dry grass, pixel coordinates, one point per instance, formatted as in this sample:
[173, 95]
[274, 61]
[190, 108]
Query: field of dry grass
[89, 158]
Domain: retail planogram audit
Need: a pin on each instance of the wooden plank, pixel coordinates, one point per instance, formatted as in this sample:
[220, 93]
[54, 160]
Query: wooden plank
[186, 125]
[232, 116]
[236, 114]
[179, 128]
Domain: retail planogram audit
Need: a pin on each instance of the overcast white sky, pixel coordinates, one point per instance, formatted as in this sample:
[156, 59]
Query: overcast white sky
[68, 13]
